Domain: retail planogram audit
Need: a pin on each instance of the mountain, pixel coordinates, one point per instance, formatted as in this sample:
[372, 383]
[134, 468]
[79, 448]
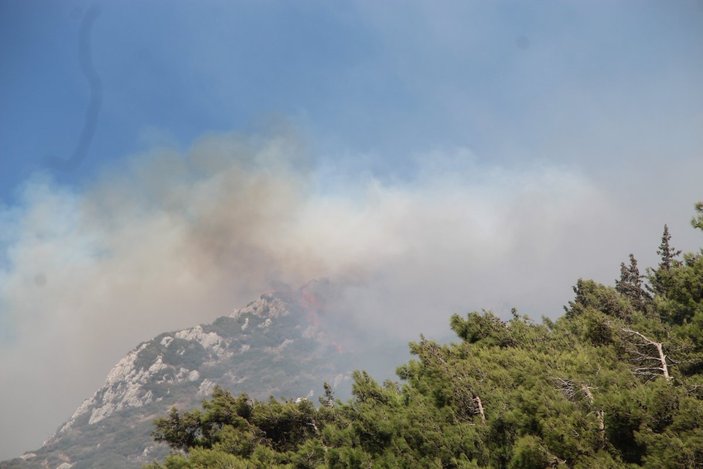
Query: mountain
[277, 345]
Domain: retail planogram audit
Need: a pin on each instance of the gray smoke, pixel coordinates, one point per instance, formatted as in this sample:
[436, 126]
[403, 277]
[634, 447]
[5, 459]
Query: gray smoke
[172, 239]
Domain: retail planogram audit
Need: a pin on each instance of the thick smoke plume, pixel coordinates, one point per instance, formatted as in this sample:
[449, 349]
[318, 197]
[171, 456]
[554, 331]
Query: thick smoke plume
[176, 238]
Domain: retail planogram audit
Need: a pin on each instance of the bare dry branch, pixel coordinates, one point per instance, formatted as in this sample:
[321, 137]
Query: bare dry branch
[479, 405]
[641, 356]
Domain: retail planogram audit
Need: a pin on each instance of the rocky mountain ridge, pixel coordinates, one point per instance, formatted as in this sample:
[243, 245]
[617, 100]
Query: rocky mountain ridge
[273, 346]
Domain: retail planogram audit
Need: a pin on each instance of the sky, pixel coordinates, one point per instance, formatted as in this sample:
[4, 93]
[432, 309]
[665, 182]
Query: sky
[164, 162]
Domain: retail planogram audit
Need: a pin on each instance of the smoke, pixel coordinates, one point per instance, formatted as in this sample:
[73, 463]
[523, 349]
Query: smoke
[176, 238]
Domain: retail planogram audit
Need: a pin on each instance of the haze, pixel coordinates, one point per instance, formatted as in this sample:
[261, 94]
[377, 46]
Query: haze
[429, 159]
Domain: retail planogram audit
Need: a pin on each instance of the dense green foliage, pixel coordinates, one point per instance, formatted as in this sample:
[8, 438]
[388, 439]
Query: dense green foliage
[616, 382]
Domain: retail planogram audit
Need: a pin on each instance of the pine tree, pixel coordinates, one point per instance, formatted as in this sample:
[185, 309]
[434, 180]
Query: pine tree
[697, 220]
[660, 278]
[667, 253]
[630, 285]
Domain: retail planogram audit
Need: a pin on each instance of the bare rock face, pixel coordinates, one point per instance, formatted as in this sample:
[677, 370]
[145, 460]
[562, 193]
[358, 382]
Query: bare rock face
[273, 346]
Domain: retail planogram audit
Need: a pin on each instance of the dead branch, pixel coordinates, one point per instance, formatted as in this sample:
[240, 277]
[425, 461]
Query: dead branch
[570, 390]
[642, 357]
[479, 405]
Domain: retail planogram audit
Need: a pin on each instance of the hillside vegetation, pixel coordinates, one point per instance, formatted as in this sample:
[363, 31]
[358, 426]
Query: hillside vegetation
[615, 382]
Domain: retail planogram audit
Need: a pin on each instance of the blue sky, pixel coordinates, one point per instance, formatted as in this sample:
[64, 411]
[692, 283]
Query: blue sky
[371, 84]
[431, 157]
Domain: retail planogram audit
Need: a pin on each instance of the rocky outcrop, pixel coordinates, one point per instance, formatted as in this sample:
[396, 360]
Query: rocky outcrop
[273, 346]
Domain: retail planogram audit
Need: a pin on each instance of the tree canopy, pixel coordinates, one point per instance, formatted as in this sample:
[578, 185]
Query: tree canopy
[615, 382]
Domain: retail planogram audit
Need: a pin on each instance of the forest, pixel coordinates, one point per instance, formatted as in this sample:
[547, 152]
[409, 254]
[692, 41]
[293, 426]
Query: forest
[616, 381]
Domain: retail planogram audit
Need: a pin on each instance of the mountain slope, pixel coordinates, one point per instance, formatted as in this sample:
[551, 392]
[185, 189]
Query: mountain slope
[273, 346]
